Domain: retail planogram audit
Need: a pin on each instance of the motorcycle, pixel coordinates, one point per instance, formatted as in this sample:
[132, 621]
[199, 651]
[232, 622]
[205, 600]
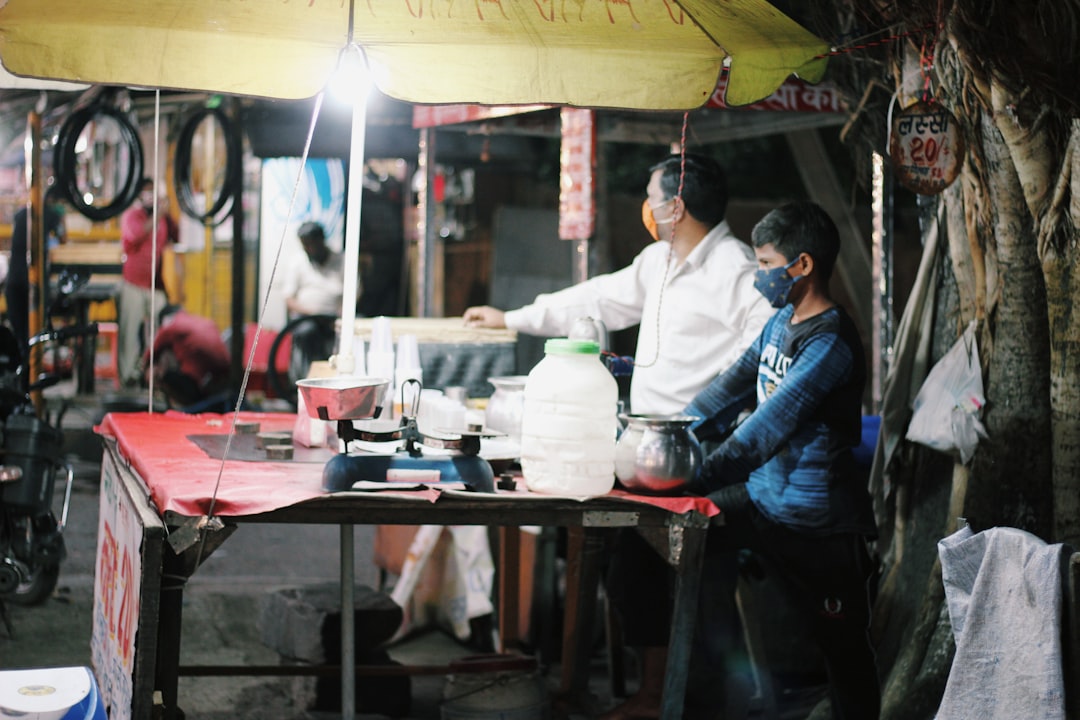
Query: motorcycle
[31, 535]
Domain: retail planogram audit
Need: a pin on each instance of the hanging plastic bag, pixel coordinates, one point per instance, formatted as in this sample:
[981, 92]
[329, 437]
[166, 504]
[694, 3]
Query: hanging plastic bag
[946, 411]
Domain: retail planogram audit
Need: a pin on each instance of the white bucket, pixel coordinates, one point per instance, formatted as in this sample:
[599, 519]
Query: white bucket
[568, 426]
[48, 693]
[512, 690]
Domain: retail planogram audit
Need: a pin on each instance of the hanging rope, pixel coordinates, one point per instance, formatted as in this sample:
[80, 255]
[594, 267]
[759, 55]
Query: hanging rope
[856, 45]
[262, 315]
[671, 241]
[153, 251]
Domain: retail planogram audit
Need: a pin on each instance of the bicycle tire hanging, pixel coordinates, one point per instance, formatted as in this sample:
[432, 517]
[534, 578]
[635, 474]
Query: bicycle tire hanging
[66, 161]
[185, 194]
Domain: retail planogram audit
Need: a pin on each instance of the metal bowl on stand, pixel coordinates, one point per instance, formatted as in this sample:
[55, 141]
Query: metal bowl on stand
[343, 398]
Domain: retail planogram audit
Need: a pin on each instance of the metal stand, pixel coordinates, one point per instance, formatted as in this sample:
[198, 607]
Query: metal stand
[348, 636]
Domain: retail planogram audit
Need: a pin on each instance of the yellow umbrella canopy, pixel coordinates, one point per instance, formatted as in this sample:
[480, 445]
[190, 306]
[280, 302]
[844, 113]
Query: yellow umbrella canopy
[642, 54]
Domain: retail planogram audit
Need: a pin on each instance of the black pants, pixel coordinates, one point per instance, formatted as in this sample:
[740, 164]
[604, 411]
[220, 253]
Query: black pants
[827, 580]
[311, 341]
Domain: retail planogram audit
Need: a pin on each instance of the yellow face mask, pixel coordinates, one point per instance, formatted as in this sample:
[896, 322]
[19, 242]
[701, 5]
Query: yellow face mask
[649, 220]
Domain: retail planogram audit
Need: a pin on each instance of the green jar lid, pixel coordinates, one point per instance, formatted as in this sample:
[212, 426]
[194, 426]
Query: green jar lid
[566, 346]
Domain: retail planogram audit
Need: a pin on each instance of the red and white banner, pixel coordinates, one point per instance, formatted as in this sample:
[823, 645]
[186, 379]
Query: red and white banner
[793, 96]
[426, 116]
[577, 160]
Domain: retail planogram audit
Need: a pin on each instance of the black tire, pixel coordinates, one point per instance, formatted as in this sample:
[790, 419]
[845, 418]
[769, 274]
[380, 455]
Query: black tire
[39, 588]
[284, 387]
[230, 188]
[65, 161]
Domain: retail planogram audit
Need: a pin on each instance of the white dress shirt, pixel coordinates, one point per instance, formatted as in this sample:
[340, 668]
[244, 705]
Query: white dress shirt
[694, 324]
[318, 288]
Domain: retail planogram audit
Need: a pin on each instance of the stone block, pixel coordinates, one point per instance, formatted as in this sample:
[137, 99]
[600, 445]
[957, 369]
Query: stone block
[304, 623]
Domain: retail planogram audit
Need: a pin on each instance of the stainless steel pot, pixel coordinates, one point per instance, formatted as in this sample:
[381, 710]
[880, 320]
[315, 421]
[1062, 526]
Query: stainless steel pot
[657, 454]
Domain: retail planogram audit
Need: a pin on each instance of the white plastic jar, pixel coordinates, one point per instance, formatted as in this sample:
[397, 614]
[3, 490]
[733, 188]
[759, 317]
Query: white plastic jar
[569, 426]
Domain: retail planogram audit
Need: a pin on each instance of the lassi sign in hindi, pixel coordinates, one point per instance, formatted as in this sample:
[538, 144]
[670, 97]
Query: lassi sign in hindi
[926, 148]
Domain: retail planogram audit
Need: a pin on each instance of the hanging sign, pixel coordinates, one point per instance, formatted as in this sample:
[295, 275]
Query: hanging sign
[926, 148]
[577, 158]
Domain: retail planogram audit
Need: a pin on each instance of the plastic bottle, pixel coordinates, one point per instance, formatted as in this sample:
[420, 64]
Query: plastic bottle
[569, 424]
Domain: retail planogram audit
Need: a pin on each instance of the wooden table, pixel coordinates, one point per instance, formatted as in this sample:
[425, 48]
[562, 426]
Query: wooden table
[153, 537]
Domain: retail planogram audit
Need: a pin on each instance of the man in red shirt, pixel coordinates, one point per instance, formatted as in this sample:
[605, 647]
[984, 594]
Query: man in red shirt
[191, 361]
[136, 304]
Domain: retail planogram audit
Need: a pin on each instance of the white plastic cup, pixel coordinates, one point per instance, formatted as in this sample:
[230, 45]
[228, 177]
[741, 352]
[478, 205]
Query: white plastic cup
[427, 419]
[408, 352]
[359, 365]
[382, 336]
[381, 364]
[457, 393]
[453, 415]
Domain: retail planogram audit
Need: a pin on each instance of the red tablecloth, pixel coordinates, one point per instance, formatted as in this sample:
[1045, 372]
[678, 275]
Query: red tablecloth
[181, 477]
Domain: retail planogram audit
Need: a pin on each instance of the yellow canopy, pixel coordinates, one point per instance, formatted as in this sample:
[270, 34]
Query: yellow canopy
[642, 54]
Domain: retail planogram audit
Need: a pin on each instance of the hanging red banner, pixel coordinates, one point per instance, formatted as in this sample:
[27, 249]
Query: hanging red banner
[426, 116]
[793, 96]
[577, 160]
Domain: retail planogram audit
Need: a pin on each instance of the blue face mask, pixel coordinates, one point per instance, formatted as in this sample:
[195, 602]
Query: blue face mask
[775, 284]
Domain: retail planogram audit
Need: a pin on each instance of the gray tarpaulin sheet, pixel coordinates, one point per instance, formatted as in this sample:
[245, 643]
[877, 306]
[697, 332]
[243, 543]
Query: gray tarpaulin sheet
[1003, 588]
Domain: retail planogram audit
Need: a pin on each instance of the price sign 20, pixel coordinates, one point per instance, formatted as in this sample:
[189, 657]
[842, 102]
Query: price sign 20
[926, 148]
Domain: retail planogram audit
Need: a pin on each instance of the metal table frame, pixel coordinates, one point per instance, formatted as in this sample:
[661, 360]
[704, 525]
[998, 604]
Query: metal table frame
[173, 544]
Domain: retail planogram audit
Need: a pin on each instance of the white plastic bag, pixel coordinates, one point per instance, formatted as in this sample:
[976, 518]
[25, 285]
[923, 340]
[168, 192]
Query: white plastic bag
[458, 586]
[946, 411]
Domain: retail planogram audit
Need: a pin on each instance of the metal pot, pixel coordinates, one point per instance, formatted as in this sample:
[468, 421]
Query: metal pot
[506, 406]
[587, 328]
[657, 454]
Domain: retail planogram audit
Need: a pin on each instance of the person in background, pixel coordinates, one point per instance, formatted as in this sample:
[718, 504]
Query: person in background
[692, 291]
[191, 361]
[17, 286]
[142, 264]
[313, 285]
[785, 478]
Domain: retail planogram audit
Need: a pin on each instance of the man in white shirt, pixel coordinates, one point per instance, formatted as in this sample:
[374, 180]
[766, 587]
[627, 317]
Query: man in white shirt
[313, 285]
[692, 291]
[693, 294]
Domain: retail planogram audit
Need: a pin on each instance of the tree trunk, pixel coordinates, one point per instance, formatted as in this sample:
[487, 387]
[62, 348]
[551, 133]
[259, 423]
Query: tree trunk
[1060, 258]
[1010, 474]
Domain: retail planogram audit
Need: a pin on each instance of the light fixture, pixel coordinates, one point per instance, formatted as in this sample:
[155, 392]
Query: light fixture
[351, 80]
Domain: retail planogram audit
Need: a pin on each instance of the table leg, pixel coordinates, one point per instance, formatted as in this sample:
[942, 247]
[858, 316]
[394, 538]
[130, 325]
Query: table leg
[687, 550]
[509, 595]
[583, 551]
[85, 352]
[348, 636]
[170, 611]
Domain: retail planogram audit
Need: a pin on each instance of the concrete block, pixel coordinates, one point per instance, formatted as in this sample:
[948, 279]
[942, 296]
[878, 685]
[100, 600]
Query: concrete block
[304, 623]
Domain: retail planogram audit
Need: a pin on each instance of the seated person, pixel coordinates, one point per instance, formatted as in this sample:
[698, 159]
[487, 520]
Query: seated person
[191, 361]
[786, 481]
[313, 285]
